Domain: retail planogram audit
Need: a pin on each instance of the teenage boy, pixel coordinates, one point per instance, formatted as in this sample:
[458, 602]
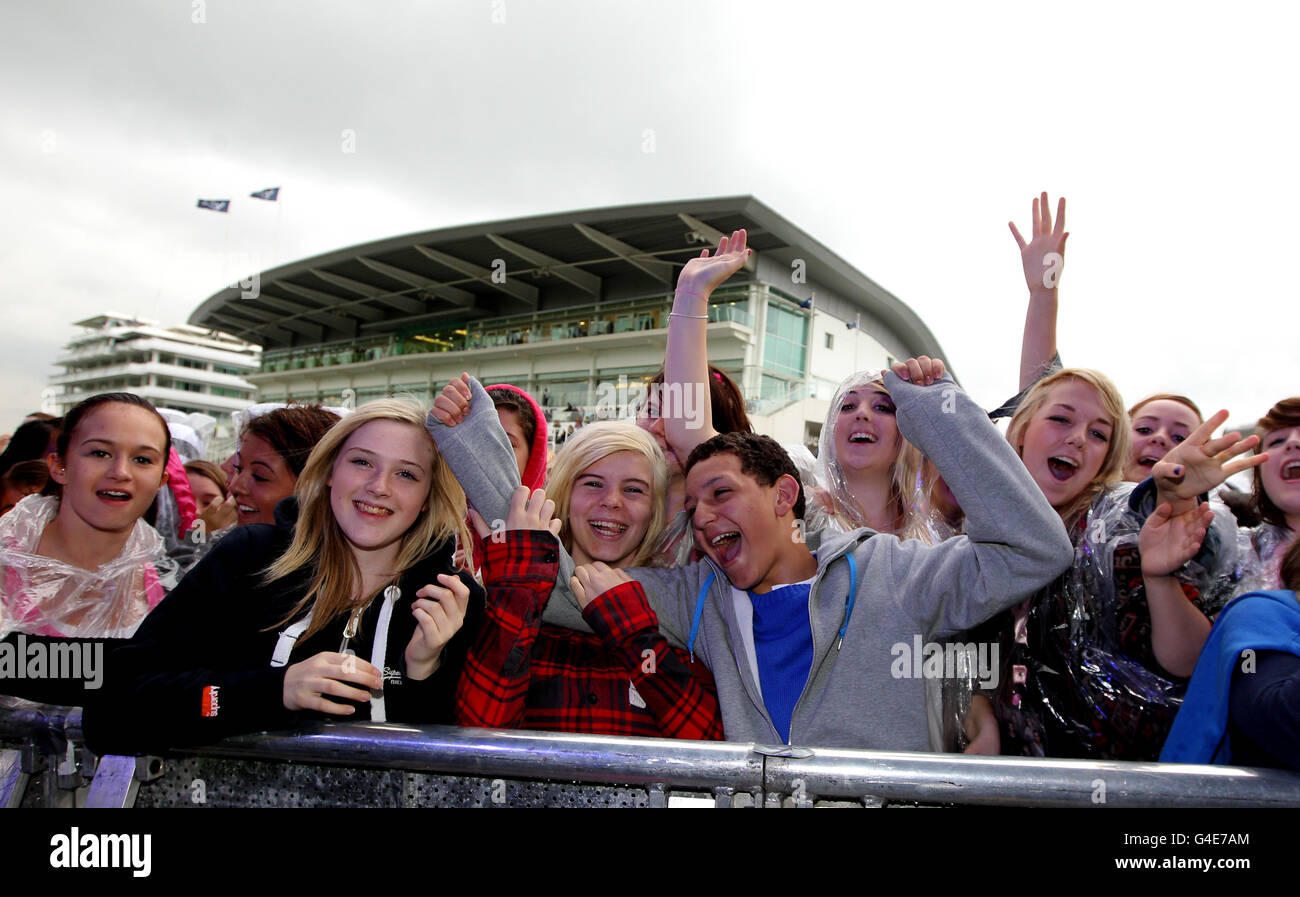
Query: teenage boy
[814, 649]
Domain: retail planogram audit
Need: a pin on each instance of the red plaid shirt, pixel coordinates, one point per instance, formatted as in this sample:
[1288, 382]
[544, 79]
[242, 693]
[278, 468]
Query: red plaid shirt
[624, 680]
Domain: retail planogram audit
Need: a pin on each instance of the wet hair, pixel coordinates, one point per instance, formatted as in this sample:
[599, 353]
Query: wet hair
[726, 403]
[761, 457]
[319, 545]
[1167, 397]
[212, 472]
[1289, 569]
[84, 408]
[590, 445]
[1112, 464]
[29, 442]
[293, 431]
[511, 400]
[1282, 416]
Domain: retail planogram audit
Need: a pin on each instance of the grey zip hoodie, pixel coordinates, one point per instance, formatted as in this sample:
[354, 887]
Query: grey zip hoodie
[862, 692]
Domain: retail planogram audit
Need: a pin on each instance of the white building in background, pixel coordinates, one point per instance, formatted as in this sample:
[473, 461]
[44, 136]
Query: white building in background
[187, 368]
[564, 305]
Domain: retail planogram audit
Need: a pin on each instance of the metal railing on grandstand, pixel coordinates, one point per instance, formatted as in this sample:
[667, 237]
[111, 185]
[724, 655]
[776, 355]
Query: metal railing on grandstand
[349, 764]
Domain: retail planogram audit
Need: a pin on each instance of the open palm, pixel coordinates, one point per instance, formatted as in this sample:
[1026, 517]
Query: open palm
[1042, 271]
[1198, 464]
[706, 272]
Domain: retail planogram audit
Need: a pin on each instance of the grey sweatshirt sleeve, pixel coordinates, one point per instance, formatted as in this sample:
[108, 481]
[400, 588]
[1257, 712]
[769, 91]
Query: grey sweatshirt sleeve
[479, 455]
[1015, 542]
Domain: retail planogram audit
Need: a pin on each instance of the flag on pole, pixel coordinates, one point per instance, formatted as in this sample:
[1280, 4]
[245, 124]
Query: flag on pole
[270, 193]
[216, 205]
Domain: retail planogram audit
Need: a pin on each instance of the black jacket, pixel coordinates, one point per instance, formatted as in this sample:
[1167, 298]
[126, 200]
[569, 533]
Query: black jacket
[219, 628]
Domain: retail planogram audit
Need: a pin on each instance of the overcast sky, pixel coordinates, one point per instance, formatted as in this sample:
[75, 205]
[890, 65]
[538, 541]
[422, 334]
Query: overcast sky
[903, 136]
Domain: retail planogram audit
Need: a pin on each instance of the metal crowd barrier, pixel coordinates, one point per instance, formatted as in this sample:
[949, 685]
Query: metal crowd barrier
[372, 764]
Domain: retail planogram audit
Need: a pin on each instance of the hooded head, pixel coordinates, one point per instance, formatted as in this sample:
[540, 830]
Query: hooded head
[529, 429]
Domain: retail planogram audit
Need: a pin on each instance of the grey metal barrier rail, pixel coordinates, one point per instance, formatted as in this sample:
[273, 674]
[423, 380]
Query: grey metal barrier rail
[348, 764]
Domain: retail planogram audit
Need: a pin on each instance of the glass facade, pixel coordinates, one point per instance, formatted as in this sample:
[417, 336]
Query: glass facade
[785, 346]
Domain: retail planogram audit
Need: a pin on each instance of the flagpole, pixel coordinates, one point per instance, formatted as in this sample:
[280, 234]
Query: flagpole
[279, 214]
[225, 248]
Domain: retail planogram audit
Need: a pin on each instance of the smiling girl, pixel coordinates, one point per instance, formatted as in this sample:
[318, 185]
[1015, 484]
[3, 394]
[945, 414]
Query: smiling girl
[1275, 497]
[1158, 424]
[273, 448]
[868, 469]
[355, 612]
[604, 484]
[1094, 665]
[83, 563]
[607, 486]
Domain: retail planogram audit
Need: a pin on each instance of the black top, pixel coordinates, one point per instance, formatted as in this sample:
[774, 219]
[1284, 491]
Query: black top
[219, 628]
[1264, 712]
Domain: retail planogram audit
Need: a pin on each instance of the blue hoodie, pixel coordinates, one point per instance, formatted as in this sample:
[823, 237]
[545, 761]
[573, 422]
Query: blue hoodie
[1256, 621]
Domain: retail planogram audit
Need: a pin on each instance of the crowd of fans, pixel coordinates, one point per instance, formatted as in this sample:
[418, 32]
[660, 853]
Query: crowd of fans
[679, 575]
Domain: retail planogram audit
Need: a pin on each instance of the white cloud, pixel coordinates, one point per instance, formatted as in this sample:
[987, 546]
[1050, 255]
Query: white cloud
[902, 136]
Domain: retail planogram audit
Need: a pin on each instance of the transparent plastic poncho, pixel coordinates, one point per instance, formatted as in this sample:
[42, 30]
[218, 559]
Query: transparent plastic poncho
[834, 506]
[191, 432]
[45, 596]
[1079, 676]
[1260, 550]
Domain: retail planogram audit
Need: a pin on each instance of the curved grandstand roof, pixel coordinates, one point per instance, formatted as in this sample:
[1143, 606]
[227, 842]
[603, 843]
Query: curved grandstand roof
[549, 262]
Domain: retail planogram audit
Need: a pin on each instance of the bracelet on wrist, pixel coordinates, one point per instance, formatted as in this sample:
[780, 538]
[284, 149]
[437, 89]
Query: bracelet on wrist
[677, 314]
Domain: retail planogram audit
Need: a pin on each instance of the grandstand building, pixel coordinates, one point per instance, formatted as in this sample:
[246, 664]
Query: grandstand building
[572, 307]
[187, 368]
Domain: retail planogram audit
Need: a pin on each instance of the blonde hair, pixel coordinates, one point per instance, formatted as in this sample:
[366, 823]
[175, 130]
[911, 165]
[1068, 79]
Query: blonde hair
[907, 493]
[588, 446]
[1112, 464]
[320, 546]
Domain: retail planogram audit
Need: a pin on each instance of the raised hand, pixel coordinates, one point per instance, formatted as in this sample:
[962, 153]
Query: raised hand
[535, 512]
[452, 404]
[703, 274]
[1200, 463]
[590, 581]
[221, 514]
[1043, 257]
[439, 612]
[1169, 540]
[307, 682]
[922, 371]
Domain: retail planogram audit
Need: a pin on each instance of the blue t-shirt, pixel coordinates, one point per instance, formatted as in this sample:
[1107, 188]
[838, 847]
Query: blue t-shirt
[784, 648]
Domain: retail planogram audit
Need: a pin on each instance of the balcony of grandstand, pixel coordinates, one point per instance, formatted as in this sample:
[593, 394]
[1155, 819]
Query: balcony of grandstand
[572, 307]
